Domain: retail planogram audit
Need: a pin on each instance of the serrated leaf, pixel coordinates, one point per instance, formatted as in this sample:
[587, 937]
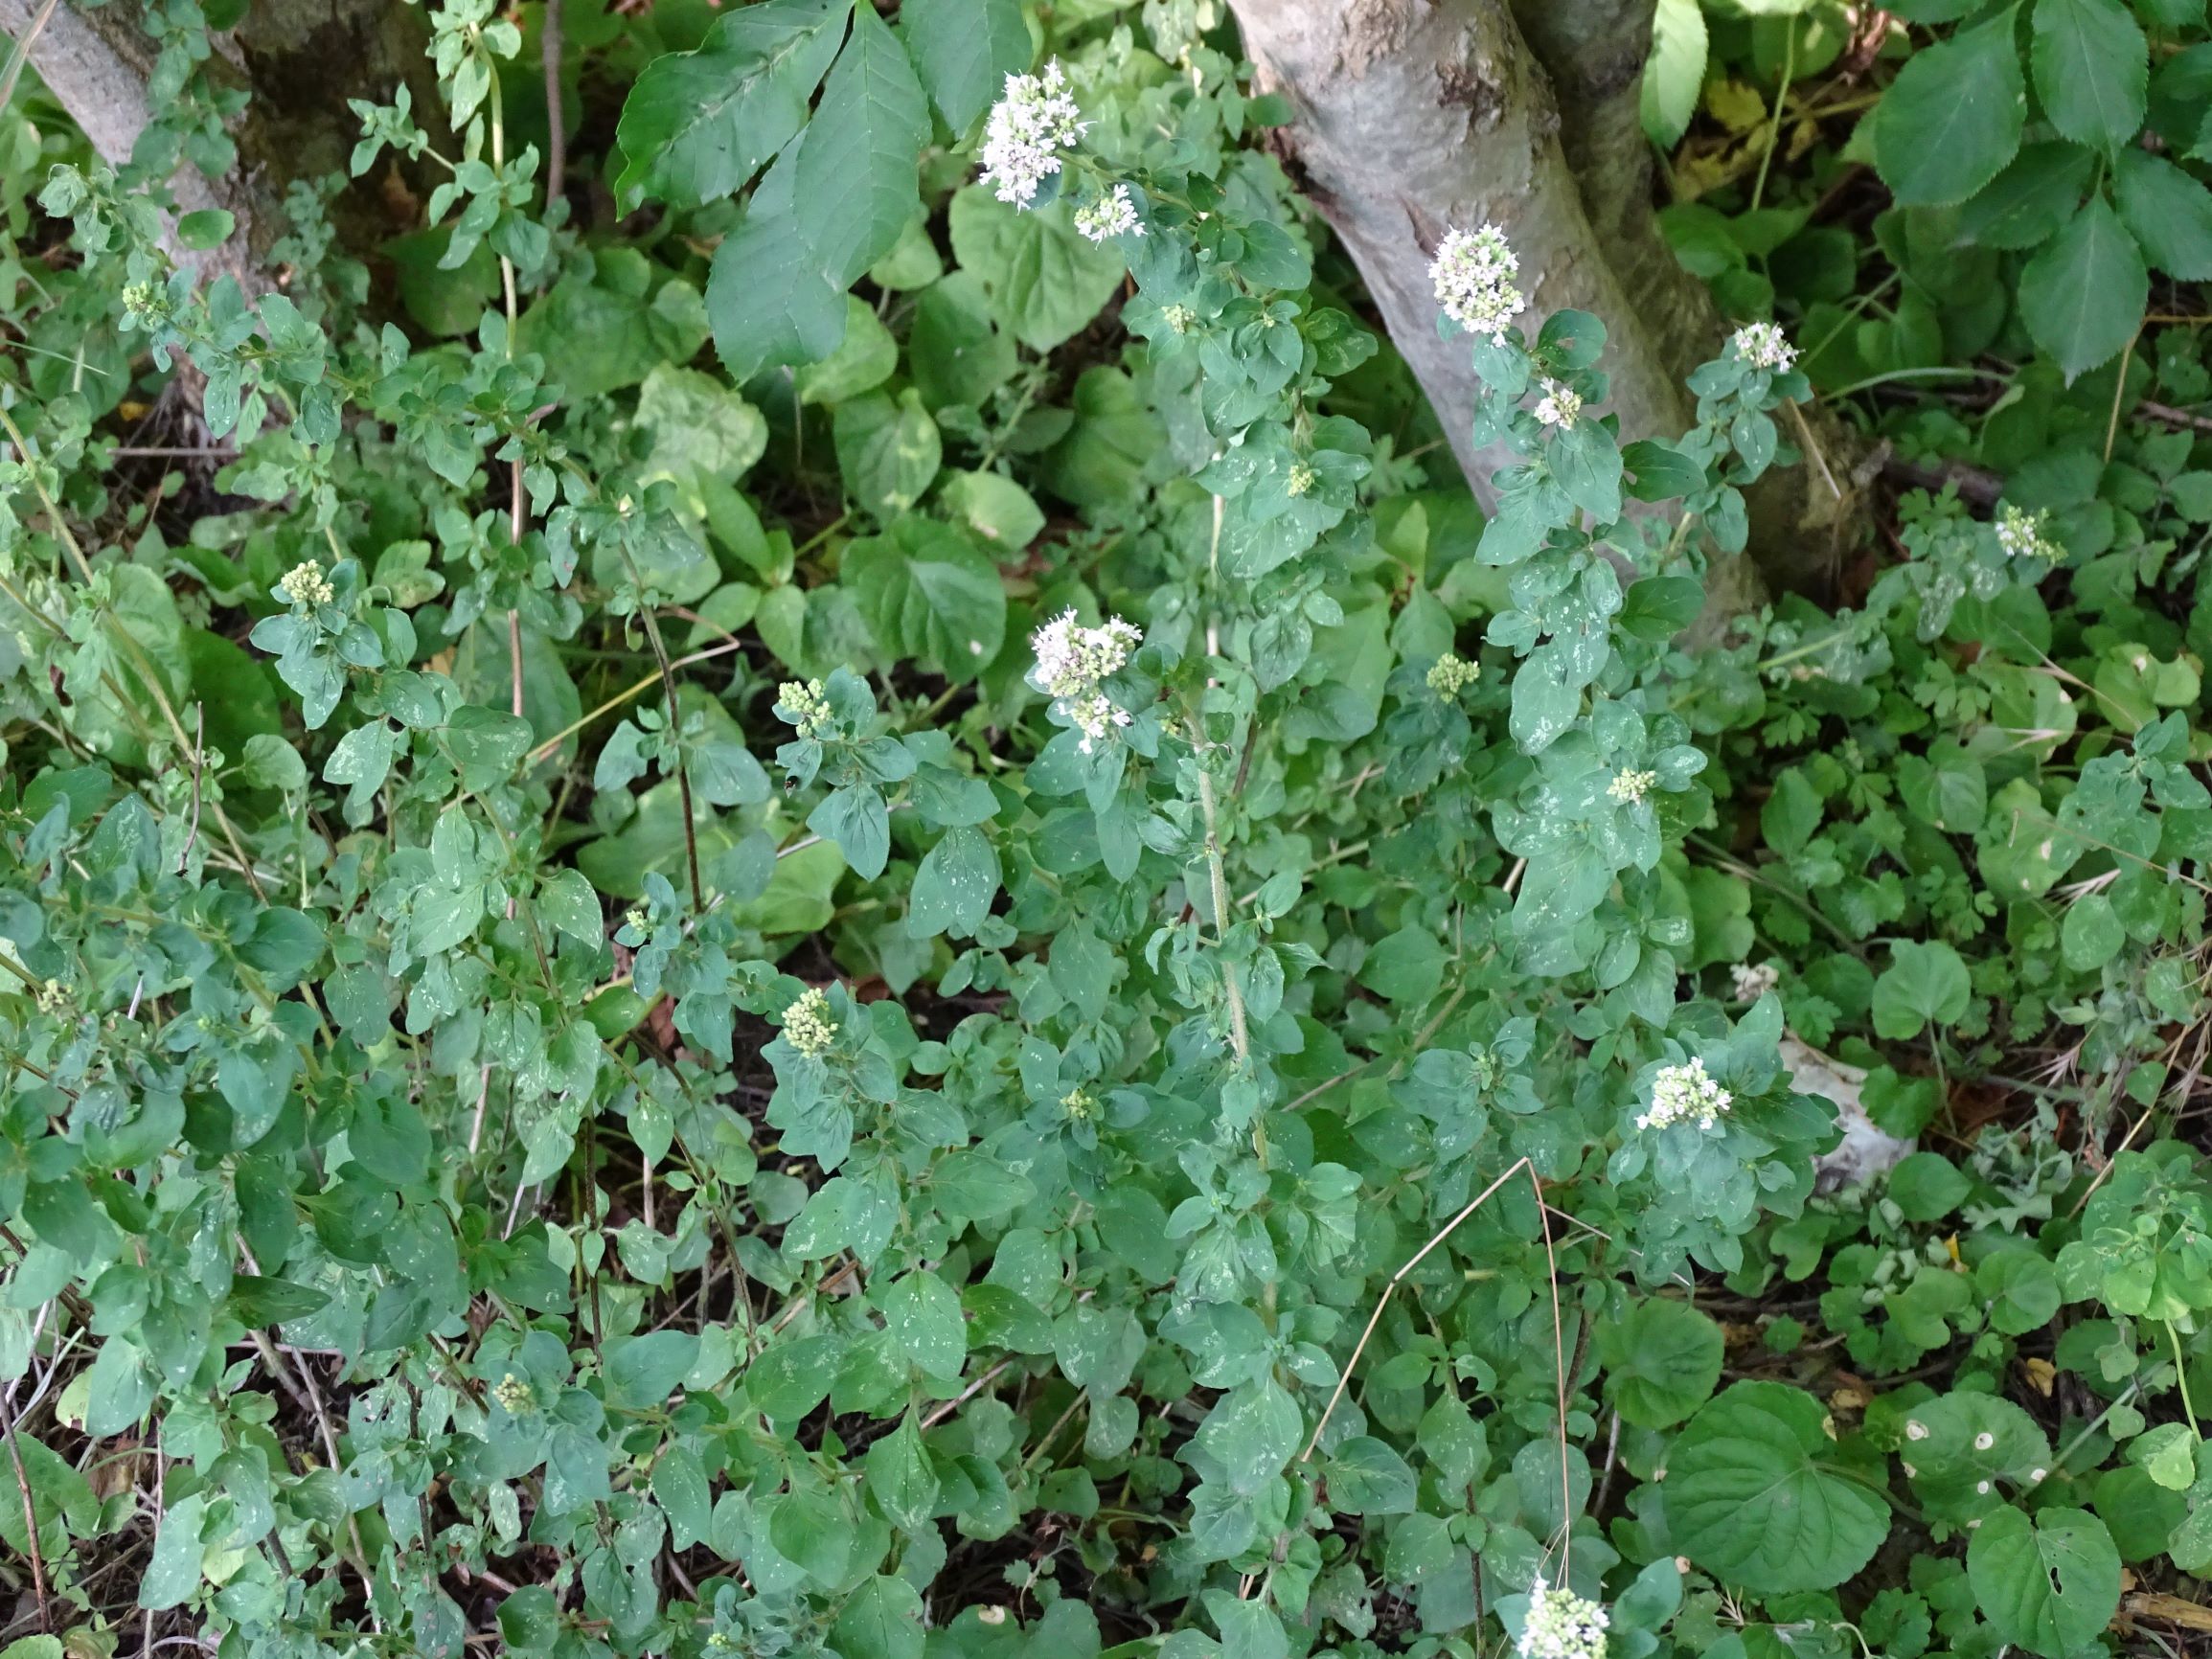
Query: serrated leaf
[1675, 71]
[2092, 70]
[964, 49]
[2083, 296]
[768, 301]
[1953, 117]
[857, 179]
[697, 125]
[2167, 211]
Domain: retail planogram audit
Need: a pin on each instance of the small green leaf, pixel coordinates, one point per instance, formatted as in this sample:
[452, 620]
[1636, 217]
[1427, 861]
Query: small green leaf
[1924, 983]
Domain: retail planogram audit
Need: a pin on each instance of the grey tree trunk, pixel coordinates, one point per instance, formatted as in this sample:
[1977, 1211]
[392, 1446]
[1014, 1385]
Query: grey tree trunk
[1414, 116]
[302, 59]
[1410, 117]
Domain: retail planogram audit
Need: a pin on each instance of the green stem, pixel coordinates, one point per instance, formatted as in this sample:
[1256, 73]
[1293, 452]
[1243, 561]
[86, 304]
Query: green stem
[1781, 102]
[2181, 1378]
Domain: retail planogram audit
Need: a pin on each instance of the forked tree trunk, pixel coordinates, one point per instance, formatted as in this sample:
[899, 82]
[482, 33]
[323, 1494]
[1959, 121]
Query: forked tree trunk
[1410, 117]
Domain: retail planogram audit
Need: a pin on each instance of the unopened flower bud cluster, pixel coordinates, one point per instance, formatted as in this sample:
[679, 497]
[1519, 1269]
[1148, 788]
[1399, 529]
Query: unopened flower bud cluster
[807, 1026]
[1632, 785]
[304, 583]
[1452, 675]
[1685, 1094]
[809, 709]
[1473, 275]
[1073, 662]
[1753, 982]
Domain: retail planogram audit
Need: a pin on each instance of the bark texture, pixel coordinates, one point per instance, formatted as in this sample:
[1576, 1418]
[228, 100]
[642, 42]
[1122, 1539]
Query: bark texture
[302, 58]
[1411, 116]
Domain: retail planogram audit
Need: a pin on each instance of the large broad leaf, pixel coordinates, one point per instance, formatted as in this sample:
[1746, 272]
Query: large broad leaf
[1663, 1360]
[2168, 213]
[2049, 1584]
[767, 300]
[1752, 1497]
[698, 125]
[858, 184]
[2082, 297]
[1675, 73]
[2092, 70]
[965, 49]
[1044, 281]
[929, 595]
[1951, 119]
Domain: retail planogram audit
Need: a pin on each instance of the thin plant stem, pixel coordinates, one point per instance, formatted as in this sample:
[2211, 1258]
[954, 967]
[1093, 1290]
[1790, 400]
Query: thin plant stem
[2181, 1378]
[1781, 105]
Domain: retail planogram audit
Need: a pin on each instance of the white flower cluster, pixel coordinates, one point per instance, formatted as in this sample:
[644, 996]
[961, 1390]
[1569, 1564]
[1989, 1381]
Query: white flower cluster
[1451, 675]
[1560, 1625]
[1754, 981]
[809, 708]
[1112, 214]
[2021, 536]
[1028, 127]
[1631, 785]
[304, 583]
[1560, 405]
[1473, 274]
[1763, 346]
[1072, 663]
[1682, 1093]
[807, 1026]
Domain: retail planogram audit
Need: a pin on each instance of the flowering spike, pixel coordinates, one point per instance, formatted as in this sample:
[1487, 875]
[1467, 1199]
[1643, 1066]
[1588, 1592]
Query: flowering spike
[1682, 1093]
[1560, 405]
[1560, 1625]
[1112, 214]
[1473, 274]
[1764, 346]
[1072, 663]
[2021, 536]
[1028, 127]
